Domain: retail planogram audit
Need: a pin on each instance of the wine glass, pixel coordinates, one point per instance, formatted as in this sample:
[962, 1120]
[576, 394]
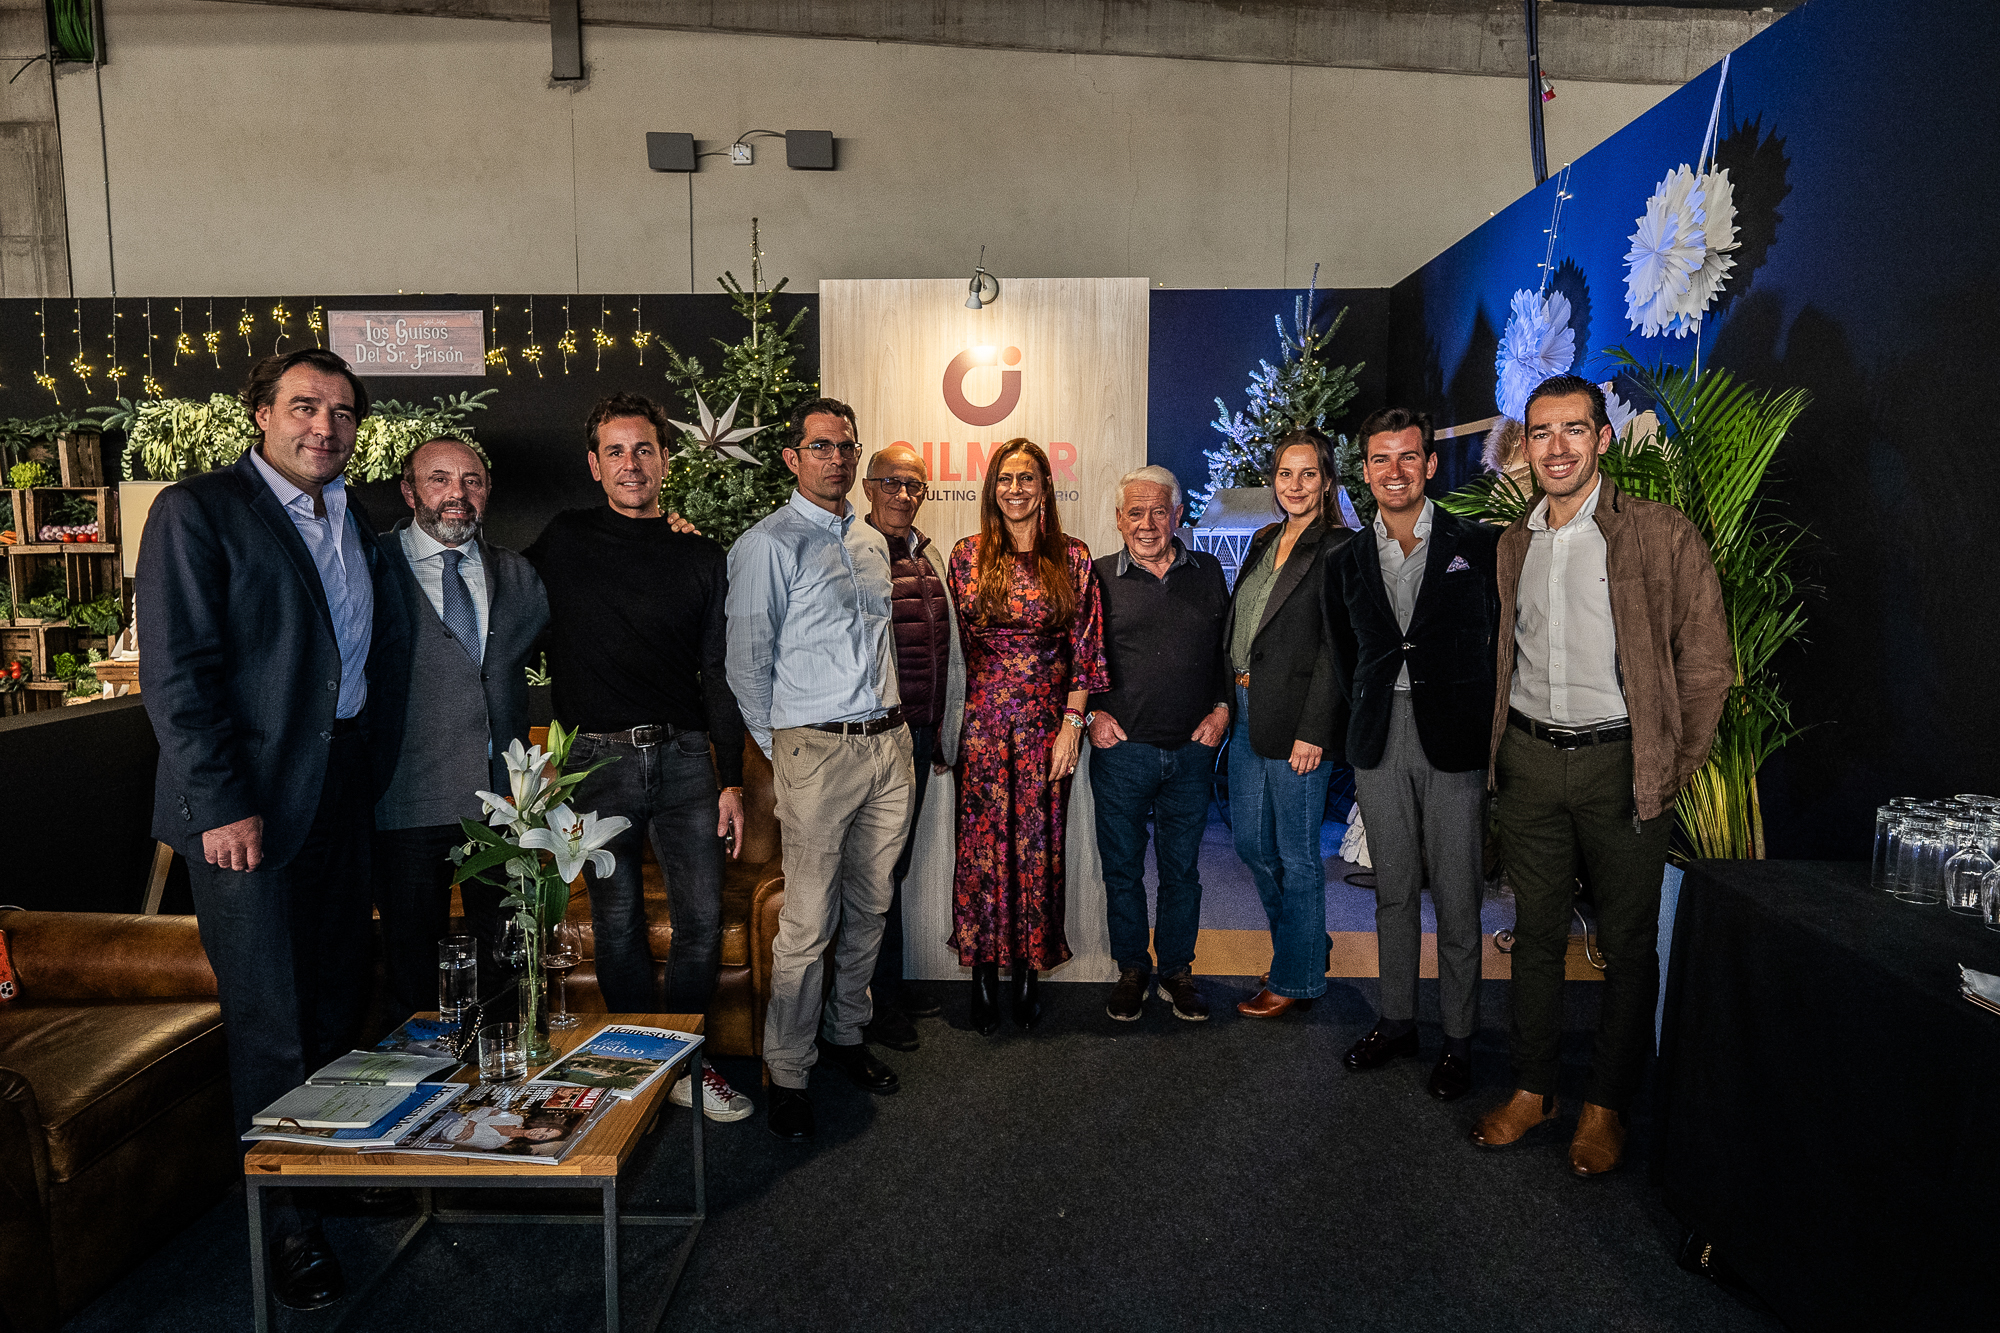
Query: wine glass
[564, 952]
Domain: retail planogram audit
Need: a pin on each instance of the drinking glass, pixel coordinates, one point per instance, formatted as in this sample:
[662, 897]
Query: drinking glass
[1967, 865]
[1920, 858]
[1989, 899]
[564, 952]
[458, 976]
[1888, 823]
[502, 1059]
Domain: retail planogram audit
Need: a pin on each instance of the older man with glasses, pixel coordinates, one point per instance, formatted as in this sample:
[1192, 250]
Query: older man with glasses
[930, 674]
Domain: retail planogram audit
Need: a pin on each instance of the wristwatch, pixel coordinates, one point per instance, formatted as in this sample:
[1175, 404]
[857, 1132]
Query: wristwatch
[1090, 718]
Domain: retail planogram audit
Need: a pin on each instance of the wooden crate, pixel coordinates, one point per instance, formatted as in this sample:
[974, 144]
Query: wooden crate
[81, 458]
[11, 507]
[36, 509]
[34, 698]
[37, 645]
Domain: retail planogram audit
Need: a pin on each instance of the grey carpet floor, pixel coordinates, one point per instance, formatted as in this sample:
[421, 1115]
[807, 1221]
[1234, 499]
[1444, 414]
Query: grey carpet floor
[1158, 1175]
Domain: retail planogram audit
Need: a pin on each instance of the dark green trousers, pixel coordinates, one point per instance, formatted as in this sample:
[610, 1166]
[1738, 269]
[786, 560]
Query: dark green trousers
[1558, 810]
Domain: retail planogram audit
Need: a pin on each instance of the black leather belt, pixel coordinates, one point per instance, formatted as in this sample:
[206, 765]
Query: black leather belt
[889, 721]
[1570, 738]
[643, 737]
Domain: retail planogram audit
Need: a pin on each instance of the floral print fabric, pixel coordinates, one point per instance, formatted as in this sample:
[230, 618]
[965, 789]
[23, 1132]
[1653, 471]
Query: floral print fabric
[1007, 892]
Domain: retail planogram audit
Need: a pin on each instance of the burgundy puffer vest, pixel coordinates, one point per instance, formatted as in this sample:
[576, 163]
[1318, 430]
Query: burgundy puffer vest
[922, 628]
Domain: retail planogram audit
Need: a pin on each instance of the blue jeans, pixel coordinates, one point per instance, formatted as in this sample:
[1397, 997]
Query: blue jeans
[1277, 816]
[668, 791]
[1130, 781]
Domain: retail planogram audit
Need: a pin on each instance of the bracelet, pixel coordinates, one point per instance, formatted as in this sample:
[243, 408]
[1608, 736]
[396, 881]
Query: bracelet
[1072, 717]
[726, 790]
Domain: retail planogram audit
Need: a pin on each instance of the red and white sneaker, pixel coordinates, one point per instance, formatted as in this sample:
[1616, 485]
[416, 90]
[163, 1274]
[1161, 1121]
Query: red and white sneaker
[719, 1101]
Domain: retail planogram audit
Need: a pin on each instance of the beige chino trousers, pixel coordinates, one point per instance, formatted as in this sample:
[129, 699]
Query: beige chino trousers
[844, 809]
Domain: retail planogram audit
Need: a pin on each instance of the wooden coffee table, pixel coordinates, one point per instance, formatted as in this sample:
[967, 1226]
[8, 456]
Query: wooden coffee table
[593, 1164]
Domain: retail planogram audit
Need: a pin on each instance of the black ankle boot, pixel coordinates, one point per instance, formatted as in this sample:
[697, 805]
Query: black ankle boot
[1027, 997]
[986, 998]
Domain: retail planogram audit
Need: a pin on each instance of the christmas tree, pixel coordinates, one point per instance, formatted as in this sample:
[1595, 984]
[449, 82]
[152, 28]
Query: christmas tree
[721, 495]
[1301, 390]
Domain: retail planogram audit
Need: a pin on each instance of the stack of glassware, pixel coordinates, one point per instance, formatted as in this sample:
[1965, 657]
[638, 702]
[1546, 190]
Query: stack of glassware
[1945, 851]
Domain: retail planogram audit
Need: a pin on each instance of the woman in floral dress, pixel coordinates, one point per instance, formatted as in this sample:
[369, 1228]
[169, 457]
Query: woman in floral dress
[1032, 624]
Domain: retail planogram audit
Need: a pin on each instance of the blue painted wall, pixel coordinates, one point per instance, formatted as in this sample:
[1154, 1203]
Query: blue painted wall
[1864, 140]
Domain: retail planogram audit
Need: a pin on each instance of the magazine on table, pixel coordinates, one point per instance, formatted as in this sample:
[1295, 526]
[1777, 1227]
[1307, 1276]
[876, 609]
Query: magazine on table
[342, 1106]
[384, 1069]
[418, 1104]
[423, 1036]
[623, 1060]
[534, 1122]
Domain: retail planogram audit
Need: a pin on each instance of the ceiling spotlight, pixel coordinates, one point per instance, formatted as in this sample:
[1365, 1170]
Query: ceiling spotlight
[984, 289]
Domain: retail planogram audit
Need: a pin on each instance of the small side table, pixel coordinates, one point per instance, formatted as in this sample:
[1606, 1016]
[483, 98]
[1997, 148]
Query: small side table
[593, 1164]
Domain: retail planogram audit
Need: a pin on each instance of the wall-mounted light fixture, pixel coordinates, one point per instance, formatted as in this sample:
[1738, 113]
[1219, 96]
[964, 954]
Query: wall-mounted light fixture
[984, 289]
[669, 152]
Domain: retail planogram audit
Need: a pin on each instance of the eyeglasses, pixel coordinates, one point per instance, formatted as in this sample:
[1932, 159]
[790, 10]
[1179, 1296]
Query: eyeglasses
[900, 486]
[824, 449]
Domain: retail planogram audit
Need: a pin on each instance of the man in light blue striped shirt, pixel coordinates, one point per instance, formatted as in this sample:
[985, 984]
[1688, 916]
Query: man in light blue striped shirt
[812, 665]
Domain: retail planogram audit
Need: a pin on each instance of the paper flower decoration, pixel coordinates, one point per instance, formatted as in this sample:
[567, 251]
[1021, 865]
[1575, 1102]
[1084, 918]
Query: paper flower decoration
[1718, 239]
[1537, 343]
[1620, 412]
[717, 435]
[1668, 249]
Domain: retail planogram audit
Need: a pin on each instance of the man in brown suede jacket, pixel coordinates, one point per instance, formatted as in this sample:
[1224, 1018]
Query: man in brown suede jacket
[1613, 664]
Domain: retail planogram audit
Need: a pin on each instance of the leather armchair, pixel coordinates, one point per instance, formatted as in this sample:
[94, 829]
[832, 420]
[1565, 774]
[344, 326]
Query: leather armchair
[115, 1125]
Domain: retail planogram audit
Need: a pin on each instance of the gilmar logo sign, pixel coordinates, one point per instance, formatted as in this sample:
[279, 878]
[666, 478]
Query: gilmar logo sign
[973, 455]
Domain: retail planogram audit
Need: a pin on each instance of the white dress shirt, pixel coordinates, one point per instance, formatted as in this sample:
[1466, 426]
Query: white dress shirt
[1403, 575]
[426, 556]
[1565, 646]
[334, 542]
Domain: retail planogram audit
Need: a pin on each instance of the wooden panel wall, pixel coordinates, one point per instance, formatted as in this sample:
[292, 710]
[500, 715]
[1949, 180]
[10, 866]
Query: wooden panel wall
[887, 348]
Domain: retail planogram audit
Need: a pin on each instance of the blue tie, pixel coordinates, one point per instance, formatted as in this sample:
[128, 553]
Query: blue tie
[458, 614]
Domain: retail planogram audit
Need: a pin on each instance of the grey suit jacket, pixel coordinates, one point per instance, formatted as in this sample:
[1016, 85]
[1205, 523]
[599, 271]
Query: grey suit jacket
[517, 615]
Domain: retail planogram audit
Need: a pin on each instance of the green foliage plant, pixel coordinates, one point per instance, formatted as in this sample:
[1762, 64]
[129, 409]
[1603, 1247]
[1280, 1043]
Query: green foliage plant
[105, 616]
[24, 439]
[393, 429]
[171, 438]
[1302, 390]
[719, 495]
[26, 475]
[1716, 440]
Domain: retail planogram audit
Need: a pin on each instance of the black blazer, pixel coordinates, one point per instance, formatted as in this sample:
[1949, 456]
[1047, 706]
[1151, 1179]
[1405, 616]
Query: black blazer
[517, 615]
[1297, 675]
[240, 669]
[1449, 645]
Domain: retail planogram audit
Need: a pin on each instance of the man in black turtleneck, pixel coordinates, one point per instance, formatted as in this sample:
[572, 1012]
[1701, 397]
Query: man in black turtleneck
[636, 650]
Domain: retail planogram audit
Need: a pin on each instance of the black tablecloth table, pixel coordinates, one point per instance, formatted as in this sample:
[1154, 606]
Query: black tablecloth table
[1829, 1105]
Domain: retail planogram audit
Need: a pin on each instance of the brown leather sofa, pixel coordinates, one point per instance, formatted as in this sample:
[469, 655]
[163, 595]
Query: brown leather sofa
[114, 1104]
[736, 1013]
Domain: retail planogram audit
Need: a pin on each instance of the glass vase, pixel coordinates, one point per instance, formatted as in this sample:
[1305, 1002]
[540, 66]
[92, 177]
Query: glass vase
[532, 992]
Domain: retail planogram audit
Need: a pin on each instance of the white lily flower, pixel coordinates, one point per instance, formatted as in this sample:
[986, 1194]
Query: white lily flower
[576, 840]
[527, 774]
[500, 811]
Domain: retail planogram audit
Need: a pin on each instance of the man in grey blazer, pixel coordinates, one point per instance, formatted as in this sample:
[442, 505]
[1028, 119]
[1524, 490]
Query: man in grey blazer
[475, 612]
[930, 671]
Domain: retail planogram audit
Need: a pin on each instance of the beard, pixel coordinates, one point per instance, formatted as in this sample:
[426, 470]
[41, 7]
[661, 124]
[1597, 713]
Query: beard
[451, 529]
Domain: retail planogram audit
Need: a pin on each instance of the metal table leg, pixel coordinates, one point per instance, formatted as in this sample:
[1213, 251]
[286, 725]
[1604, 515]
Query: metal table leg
[260, 1294]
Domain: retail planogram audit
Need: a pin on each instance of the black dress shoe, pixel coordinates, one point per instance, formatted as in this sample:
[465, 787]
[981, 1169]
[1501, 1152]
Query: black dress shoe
[985, 998]
[1027, 998]
[868, 1073]
[1375, 1050]
[790, 1114]
[892, 1028]
[1451, 1079]
[304, 1273]
[920, 1003]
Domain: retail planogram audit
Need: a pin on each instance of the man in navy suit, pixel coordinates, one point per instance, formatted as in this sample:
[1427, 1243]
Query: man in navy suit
[1421, 603]
[475, 611]
[271, 611]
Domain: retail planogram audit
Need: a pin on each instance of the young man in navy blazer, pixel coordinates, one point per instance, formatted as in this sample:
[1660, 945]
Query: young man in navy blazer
[272, 622]
[1421, 602]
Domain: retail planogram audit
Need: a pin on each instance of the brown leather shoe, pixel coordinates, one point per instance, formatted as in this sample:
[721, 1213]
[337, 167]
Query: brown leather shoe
[1512, 1120]
[1599, 1145]
[1266, 1005]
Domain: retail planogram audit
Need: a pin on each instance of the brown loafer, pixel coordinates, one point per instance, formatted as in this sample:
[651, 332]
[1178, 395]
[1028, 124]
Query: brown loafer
[1512, 1120]
[1599, 1145]
[1266, 1005]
